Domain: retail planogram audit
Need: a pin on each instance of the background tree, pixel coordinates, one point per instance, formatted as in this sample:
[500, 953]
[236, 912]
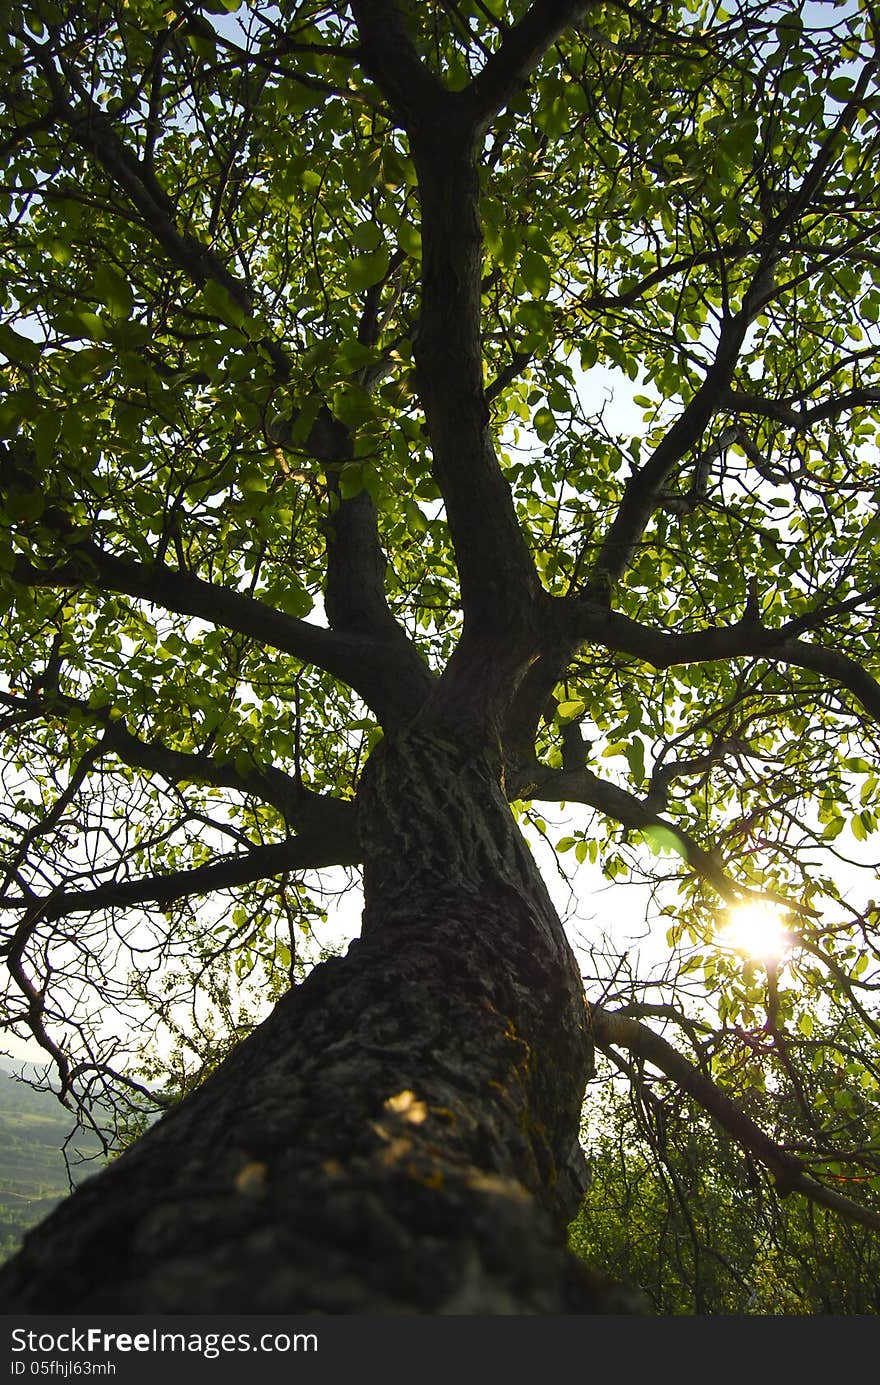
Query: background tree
[324, 550]
[678, 1207]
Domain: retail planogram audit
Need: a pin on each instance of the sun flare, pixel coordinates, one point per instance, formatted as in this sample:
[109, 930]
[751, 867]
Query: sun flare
[756, 929]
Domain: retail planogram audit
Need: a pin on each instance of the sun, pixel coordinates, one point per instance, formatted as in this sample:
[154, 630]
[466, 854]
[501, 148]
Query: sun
[756, 929]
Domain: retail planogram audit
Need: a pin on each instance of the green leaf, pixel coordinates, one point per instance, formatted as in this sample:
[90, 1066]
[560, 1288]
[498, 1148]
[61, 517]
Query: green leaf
[18, 348]
[663, 840]
[351, 480]
[114, 291]
[81, 322]
[203, 45]
[367, 236]
[352, 355]
[60, 251]
[834, 827]
[45, 435]
[415, 520]
[635, 756]
[569, 710]
[219, 302]
[409, 239]
[21, 505]
[253, 481]
[544, 424]
[535, 273]
[293, 600]
[365, 270]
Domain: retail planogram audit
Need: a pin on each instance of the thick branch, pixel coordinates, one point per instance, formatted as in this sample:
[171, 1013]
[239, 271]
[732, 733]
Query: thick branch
[612, 1029]
[354, 594]
[583, 786]
[590, 620]
[355, 564]
[355, 597]
[519, 53]
[645, 485]
[390, 676]
[498, 580]
[389, 56]
[309, 813]
[93, 131]
[799, 419]
[531, 700]
[311, 852]
[837, 666]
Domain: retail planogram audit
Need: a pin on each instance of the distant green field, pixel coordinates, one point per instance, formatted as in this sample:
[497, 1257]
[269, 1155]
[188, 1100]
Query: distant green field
[33, 1174]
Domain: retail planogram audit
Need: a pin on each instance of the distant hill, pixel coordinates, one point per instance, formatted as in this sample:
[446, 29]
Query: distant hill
[33, 1174]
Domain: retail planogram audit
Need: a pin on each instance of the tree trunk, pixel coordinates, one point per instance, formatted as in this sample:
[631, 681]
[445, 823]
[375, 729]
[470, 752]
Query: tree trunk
[400, 1135]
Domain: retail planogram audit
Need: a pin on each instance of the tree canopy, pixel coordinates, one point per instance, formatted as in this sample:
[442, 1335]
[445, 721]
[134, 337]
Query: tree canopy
[311, 315]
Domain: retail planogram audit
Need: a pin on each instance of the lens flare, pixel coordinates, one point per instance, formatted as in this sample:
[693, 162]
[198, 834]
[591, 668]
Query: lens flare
[757, 930]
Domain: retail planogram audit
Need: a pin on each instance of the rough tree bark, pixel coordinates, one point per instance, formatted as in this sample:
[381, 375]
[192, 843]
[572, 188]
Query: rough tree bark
[400, 1134]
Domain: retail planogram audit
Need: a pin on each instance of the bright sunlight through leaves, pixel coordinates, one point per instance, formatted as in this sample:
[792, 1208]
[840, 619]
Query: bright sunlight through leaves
[756, 929]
